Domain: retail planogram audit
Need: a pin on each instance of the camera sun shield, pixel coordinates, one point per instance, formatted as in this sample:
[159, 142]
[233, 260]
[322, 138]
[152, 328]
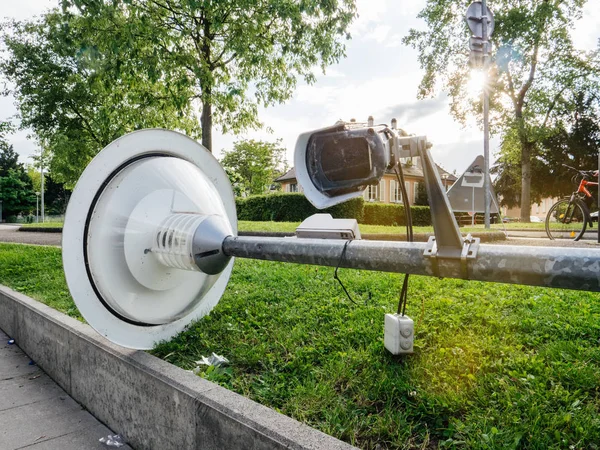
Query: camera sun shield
[337, 163]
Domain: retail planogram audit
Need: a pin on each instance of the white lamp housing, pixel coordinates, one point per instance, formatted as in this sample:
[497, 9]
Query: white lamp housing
[142, 237]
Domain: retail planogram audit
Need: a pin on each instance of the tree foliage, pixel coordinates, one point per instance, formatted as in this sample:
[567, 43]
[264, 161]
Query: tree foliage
[16, 191]
[9, 159]
[16, 194]
[533, 77]
[574, 142]
[74, 97]
[227, 56]
[253, 165]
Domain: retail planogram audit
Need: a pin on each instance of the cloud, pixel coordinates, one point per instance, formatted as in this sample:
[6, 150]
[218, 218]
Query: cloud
[585, 33]
[369, 11]
[379, 33]
[419, 109]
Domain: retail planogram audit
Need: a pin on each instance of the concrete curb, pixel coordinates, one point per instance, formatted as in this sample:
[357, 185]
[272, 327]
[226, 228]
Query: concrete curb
[154, 404]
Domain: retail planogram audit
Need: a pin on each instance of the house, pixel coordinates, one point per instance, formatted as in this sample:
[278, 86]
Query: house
[388, 190]
[537, 209]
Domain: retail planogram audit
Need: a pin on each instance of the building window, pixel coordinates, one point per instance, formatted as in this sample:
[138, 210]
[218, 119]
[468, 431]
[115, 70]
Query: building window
[415, 192]
[373, 193]
[293, 187]
[395, 192]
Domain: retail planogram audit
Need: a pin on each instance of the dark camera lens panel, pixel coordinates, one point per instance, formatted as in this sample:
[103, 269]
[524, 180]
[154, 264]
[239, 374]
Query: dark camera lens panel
[347, 159]
[343, 159]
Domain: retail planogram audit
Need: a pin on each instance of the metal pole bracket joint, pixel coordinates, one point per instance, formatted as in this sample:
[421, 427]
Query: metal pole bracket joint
[468, 251]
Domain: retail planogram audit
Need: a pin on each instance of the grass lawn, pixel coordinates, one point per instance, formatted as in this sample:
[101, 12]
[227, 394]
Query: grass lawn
[43, 225]
[495, 366]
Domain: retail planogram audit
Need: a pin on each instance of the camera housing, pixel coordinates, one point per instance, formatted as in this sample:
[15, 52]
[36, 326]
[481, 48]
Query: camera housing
[337, 163]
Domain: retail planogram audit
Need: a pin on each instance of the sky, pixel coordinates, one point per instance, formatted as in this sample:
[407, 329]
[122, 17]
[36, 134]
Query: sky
[379, 77]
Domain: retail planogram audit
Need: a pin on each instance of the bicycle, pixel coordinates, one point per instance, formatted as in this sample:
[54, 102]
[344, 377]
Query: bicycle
[568, 218]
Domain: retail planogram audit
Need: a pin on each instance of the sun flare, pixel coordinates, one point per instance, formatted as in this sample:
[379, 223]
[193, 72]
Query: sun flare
[475, 84]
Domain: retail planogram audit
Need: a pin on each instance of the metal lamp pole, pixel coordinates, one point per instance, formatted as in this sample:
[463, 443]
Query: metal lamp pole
[42, 174]
[486, 112]
[37, 207]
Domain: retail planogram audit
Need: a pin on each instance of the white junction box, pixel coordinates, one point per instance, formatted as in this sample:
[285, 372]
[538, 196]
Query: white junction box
[323, 226]
[399, 334]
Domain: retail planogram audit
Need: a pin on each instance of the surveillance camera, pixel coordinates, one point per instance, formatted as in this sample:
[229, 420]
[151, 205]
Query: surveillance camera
[337, 163]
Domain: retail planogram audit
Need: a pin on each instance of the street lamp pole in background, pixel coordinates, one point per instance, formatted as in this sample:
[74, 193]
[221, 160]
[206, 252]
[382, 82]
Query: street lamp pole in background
[486, 113]
[42, 175]
[481, 22]
[37, 207]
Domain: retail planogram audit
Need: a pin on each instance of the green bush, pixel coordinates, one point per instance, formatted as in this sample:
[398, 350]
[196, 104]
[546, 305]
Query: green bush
[11, 219]
[294, 207]
[291, 207]
[393, 214]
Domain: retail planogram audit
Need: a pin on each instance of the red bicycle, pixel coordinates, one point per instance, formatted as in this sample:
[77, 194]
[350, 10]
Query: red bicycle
[569, 217]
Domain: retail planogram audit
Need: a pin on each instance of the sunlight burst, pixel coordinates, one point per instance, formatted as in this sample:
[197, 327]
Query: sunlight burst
[475, 84]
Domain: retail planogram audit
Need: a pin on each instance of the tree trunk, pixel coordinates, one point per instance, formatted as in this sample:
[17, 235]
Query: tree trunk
[526, 148]
[207, 124]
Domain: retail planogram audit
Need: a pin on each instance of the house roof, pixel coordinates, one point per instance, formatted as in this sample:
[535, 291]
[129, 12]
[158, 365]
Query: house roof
[289, 175]
[409, 170]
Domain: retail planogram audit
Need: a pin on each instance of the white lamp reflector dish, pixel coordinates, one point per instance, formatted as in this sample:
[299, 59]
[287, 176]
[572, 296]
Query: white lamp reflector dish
[128, 236]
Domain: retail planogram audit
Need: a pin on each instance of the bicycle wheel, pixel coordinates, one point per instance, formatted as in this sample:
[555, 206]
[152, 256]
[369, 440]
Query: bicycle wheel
[566, 220]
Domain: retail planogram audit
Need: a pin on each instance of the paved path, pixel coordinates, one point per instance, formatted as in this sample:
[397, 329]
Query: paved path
[36, 414]
[11, 233]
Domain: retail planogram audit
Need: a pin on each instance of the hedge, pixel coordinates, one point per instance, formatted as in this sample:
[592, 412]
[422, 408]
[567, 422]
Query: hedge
[294, 207]
[393, 214]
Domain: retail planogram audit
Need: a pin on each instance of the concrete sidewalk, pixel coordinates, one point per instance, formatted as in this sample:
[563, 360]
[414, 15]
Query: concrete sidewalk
[36, 414]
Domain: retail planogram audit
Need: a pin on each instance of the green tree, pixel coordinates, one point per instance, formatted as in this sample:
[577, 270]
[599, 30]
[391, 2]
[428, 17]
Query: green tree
[575, 142]
[77, 100]
[9, 159]
[35, 176]
[253, 165]
[223, 51]
[5, 128]
[421, 195]
[534, 73]
[16, 194]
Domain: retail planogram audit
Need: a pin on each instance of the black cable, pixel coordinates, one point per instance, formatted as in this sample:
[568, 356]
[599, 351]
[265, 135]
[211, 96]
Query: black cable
[409, 237]
[335, 274]
[407, 211]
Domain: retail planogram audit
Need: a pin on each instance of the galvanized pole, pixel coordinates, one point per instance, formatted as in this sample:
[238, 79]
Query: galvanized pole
[562, 267]
[486, 112]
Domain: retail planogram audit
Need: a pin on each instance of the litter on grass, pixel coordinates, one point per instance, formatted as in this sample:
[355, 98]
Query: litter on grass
[113, 440]
[213, 360]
